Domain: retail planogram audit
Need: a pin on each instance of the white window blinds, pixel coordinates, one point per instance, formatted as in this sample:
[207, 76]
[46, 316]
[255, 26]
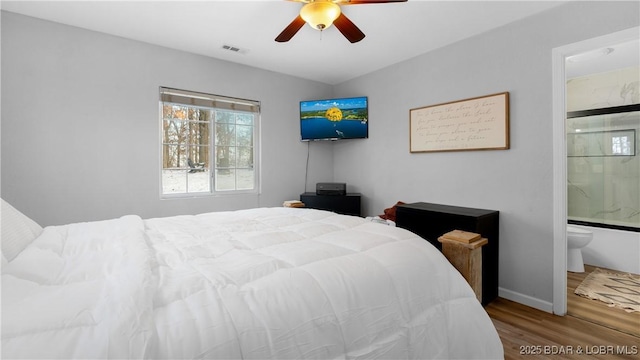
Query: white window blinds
[191, 98]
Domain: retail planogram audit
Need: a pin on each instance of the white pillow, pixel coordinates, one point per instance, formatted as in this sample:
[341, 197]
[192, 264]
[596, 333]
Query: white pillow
[18, 231]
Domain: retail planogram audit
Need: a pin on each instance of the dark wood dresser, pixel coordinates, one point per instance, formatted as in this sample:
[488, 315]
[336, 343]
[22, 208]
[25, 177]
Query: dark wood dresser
[431, 221]
[348, 204]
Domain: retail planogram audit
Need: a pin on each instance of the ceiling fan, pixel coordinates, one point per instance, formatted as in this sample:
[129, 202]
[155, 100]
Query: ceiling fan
[320, 14]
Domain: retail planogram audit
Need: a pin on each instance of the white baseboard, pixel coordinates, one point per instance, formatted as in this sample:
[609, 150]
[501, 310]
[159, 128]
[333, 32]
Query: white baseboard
[525, 300]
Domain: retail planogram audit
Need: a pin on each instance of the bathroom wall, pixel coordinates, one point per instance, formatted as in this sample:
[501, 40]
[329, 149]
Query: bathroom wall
[603, 89]
[604, 187]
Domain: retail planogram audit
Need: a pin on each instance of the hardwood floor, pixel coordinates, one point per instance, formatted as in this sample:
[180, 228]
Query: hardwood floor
[590, 330]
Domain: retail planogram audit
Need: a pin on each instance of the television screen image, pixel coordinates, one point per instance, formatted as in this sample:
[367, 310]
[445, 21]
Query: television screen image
[333, 119]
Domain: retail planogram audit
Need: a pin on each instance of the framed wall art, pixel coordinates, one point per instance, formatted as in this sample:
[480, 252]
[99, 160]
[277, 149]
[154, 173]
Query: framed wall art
[480, 123]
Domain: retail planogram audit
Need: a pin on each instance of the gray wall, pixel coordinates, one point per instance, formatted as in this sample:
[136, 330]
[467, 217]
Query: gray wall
[517, 182]
[80, 124]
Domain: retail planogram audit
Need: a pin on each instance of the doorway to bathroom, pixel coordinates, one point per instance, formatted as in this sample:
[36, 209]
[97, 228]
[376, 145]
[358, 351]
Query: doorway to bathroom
[583, 151]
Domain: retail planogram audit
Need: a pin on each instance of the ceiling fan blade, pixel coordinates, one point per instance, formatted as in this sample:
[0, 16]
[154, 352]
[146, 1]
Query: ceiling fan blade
[361, 2]
[291, 29]
[348, 29]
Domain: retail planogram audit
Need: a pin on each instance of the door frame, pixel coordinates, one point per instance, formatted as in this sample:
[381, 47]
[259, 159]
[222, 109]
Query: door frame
[559, 56]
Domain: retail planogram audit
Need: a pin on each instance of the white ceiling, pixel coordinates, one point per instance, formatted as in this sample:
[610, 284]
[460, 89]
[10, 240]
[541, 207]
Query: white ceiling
[394, 32]
[613, 57]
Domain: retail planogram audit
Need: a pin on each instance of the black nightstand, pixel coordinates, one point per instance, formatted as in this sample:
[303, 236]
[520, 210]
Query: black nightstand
[342, 204]
[431, 221]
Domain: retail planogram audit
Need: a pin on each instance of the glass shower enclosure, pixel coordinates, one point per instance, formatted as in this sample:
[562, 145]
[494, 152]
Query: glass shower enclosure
[603, 167]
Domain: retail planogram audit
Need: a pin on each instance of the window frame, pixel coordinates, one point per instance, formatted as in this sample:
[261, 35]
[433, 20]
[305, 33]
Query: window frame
[200, 100]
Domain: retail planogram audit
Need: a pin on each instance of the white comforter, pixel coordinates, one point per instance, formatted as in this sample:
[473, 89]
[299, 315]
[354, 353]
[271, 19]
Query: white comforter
[274, 283]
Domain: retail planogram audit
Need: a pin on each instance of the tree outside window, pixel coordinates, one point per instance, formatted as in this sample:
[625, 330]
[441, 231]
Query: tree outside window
[207, 149]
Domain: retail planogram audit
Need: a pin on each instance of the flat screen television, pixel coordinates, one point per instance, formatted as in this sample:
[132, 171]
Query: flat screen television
[334, 119]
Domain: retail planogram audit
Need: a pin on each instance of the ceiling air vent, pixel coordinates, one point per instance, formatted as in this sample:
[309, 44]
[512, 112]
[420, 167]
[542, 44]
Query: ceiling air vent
[231, 48]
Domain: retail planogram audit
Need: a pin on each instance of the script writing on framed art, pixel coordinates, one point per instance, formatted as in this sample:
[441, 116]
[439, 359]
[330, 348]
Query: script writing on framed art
[480, 123]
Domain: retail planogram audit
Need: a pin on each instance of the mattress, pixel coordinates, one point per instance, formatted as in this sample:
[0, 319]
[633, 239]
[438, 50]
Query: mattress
[266, 283]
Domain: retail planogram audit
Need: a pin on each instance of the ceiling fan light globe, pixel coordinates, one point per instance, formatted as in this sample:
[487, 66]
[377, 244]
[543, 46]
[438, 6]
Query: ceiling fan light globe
[320, 14]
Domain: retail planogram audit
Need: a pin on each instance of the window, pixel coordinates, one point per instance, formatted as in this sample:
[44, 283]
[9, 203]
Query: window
[620, 145]
[209, 144]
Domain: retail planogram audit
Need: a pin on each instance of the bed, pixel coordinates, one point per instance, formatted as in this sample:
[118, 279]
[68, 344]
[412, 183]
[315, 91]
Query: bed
[265, 283]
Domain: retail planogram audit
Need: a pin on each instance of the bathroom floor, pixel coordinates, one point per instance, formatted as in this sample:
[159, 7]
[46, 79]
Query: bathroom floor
[596, 311]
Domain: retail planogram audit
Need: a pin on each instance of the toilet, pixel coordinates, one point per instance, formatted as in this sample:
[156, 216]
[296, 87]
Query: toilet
[577, 238]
